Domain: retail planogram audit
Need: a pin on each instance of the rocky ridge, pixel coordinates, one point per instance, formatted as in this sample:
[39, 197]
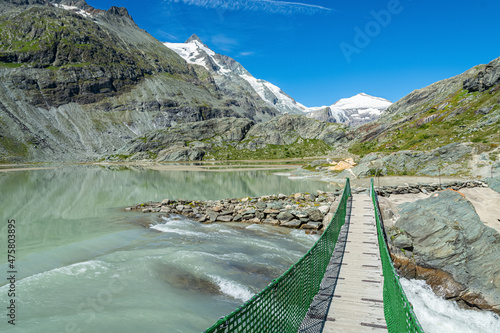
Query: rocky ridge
[78, 83]
[462, 109]
[451, 159]
[236, 138]
[230, 76]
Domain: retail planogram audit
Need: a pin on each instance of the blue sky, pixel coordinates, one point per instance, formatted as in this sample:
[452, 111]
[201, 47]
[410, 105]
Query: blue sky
[319, 51]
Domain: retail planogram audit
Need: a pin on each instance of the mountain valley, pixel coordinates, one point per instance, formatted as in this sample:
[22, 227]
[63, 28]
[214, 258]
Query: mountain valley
[82, 84]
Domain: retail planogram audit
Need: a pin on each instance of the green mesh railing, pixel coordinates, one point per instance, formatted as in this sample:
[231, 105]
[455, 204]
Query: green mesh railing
[398, 311]
[283, 304]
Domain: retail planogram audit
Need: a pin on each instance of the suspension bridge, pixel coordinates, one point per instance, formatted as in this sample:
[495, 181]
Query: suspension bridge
[345, 283]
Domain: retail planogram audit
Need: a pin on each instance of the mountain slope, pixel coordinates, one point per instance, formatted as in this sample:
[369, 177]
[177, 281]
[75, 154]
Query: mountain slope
[77, 83]
[232, 77]
[353, 111]
[462, 109]
[233, 138]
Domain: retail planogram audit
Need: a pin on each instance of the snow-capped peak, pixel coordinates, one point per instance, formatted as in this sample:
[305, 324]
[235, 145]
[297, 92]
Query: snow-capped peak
[227, 72]
[354, 111]
[224, 68]
[362, 100]
[193, 51]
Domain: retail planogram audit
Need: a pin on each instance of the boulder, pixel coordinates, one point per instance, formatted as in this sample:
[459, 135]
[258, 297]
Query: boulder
[315, 215]
[224, 218]
[271, 221]
[271, 211]
[300, 214]
[212, 215]
[403, 242]
[292, 224]
[285, 216]
[447, 235]
[312, 225]
[324, 209]
[327, 219]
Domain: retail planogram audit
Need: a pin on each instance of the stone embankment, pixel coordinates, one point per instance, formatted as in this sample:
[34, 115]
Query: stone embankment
[310, 211]
[386, 191]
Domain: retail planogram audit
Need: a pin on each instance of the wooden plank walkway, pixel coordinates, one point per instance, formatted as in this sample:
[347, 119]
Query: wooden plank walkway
[357, 304]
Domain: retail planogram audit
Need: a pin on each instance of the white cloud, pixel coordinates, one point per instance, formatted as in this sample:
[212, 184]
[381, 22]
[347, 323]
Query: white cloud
[246, 54]
[271, 6]
[223, 42]
[166, 35]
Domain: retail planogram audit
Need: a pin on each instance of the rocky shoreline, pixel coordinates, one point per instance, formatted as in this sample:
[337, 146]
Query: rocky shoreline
[310, 211]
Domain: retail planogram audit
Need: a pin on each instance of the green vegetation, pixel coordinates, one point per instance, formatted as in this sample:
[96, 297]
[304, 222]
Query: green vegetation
[9, 65]
[49, 37]
[118, 157]
[300, 148]
[13, 149]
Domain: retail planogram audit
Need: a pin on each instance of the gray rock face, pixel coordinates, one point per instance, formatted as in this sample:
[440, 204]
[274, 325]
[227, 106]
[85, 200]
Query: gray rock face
[444, 112]
[190, 141]
[447, 235]
[84, 90]
[403, 242]
[494, 183]
[446, 160]
[486, 78]
[289, 129]
[195, 141]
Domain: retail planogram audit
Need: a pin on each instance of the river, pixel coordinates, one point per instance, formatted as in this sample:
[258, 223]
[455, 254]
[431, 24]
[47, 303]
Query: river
[85, 265]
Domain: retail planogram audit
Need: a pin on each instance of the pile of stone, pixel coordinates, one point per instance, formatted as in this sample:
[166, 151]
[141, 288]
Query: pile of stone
[386, 191]
[312, 211]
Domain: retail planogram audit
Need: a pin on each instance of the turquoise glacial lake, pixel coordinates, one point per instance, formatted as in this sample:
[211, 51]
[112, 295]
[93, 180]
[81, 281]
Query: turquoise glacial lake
[84, 264]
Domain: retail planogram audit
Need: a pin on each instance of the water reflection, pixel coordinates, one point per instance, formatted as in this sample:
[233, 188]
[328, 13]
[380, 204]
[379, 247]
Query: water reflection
[66, 205]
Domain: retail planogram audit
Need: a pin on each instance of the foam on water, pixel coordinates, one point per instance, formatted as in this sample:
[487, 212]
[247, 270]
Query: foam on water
[437, 315]
[301, 235]
[92, 266]
[182, 256]
[177, 226]
[167, 228]
[232, 289]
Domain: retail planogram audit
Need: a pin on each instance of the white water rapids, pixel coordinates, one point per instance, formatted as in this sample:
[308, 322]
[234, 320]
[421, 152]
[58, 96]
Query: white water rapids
[437, 315]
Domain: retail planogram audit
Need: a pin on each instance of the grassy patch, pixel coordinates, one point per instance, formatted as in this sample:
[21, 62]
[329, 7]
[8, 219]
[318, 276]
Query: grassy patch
[14, 148]
[9, 65]
[300, 148]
